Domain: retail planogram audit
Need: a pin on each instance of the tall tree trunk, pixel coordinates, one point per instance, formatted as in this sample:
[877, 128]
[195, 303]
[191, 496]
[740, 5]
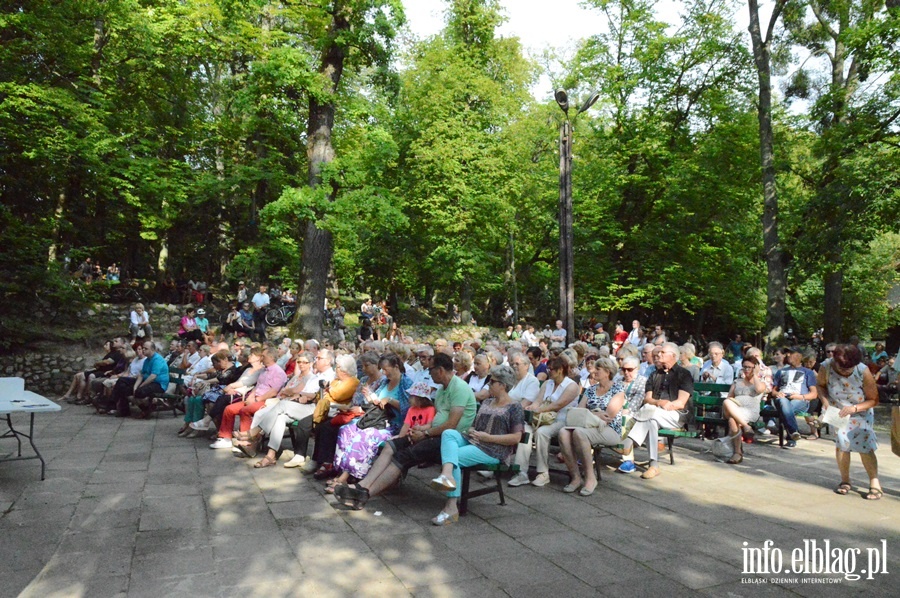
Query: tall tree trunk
[775, 286]
[162, 262]
[55, 232]
[465, 302]
[834, 289]
[318, 248]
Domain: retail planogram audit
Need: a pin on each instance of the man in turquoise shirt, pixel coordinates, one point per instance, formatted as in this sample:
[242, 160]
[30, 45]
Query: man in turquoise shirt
[154, 379]
[455, 408]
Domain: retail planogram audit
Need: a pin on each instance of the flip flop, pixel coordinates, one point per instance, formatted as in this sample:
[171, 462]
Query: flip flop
[874, 494]
[843, 488]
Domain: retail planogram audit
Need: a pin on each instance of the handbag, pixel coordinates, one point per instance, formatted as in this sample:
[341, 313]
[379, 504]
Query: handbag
[374, 417]
[343, 417]
[722, 448]
[579, 417]
[543, 419]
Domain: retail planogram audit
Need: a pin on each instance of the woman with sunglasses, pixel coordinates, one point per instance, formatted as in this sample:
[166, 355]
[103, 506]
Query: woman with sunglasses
[605, 399]
[557, 394]
[741, 407]
[846, 383]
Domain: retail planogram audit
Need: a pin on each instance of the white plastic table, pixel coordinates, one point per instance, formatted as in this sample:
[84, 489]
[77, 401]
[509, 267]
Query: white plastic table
[30, 403]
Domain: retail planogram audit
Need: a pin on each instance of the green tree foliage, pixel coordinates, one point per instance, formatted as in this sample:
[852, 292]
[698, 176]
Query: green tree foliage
[674, 139]
[292, 141]
[461, 100]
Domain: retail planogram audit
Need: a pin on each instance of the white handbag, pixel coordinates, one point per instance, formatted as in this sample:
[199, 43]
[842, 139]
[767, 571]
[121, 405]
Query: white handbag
[579, 417]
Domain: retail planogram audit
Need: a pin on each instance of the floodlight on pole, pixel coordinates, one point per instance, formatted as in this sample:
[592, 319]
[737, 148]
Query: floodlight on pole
[562, 98]
[592, 99]
[566, 229]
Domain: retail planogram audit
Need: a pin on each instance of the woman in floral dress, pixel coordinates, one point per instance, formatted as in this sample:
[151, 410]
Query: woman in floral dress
[356, 448]
[846, 384]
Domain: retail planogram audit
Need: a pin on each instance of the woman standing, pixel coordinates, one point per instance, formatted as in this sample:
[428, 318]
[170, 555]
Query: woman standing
[846, 384]
[741, 407]
[604, 399]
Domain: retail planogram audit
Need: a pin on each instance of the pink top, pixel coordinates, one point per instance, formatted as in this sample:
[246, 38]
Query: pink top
[419, 416]
[186, 323]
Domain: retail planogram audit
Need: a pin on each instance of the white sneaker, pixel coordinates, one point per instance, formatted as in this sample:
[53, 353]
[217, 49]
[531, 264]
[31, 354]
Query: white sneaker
[202, 425]
[295, 461]
[520, 479]
[542, 479]
[488, 475]
[766, 432]
[221, 443]
[309, 467]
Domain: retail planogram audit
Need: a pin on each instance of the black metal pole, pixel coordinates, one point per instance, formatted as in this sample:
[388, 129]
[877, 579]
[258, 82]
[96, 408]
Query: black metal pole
[566, 252]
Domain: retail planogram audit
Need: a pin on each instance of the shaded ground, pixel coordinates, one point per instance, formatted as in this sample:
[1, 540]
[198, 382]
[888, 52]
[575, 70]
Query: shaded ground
[130, 509]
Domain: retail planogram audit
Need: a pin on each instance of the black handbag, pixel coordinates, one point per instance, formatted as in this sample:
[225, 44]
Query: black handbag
[375, 417]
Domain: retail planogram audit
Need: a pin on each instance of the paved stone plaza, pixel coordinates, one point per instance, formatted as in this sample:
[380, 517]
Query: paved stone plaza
[130, 509]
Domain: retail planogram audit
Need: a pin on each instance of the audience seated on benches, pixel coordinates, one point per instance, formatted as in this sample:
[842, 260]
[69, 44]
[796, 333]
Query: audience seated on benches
[668, 390]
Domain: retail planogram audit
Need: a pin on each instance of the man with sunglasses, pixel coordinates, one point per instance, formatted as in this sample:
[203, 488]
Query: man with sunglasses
[666, 397]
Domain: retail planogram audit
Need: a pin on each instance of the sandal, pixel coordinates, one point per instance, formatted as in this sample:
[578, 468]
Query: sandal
[264, 462]
[735, 459]
[353, 497]
[843, 488]
[248, 447]
[874, 494]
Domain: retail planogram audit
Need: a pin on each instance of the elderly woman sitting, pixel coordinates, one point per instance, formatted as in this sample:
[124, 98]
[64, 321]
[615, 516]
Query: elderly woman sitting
[357, 447]
[555, 397]
[492, 439]
[605, 399]
[339, 396]
[272, 420]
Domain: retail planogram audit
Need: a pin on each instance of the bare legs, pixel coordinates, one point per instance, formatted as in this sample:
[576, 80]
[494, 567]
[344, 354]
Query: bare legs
[76, 388]
[869, 461]
[735, 424]
[574, 445]
[383, 474]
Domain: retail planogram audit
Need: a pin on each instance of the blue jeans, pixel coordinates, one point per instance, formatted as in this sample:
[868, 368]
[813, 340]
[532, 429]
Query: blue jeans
[457, 450]
[788, 408]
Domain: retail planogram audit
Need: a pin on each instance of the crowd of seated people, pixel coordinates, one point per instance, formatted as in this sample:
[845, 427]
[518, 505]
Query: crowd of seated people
[375, 410]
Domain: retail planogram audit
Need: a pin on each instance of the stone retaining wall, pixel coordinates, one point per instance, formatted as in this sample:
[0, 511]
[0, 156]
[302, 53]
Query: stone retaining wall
[48, 369]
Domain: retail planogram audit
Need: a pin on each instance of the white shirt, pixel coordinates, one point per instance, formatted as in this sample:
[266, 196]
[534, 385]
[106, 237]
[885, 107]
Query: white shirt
[260, 300]
[476, 383]
[313, 384]
[634, 337]
[529, 338]
[555, 392]
[526, 389]
[193, 358]
[138, 320]
[201, 365]
[136, 366]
